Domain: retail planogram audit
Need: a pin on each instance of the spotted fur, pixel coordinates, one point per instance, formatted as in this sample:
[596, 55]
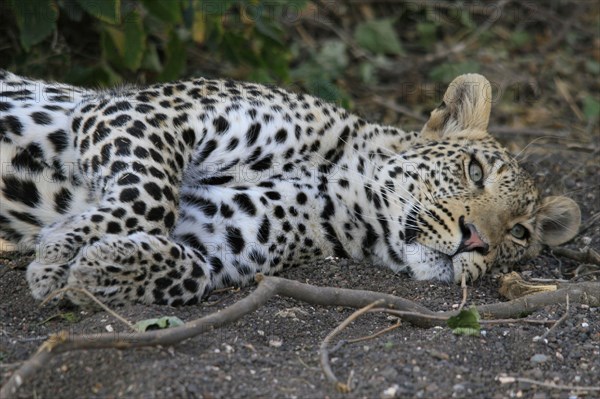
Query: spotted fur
[163, 193]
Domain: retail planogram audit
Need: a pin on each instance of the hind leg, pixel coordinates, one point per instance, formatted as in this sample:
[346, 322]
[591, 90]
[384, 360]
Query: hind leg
[140, 268]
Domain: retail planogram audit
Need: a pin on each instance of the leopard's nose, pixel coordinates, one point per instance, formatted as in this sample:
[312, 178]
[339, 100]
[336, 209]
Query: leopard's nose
[471, 240]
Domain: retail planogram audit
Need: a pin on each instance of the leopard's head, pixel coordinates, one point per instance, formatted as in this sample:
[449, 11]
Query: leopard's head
[467, 204]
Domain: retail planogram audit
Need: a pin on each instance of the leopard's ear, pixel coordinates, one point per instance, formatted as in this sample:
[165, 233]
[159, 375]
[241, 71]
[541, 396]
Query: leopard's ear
[465, 109]
[558, 220]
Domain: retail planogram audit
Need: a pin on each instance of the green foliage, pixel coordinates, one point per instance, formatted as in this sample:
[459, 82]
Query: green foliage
[591, 108]
[378, 36]
[149, 40]
[466, 322]
[36, 20]
[158, 323]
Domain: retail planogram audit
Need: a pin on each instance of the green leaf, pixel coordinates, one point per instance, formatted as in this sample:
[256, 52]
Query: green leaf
[158, 324]
[466, 322]
[592, 67]
[427, 33]
[519, 38]
[378, 36]
[129, 41]
[446, 72]
[69, 317]
[176, 58]
[332, 57]
[591, 108]
[466, 331]
[135, 40]
[36, 20]
[167, 10]
[105, 10]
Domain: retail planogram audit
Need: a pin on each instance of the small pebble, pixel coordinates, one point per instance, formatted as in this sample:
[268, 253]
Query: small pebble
[391, 392]
[538, 358]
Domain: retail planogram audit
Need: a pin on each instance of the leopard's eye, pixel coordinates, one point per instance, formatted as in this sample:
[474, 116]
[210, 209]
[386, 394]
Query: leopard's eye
[476, 172]
[519, 232]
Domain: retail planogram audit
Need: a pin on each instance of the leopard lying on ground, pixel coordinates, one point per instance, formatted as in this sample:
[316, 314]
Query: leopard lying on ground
[163, 193]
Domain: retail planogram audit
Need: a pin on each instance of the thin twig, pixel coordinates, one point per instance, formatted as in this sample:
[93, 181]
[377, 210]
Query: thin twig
[376, 334]
[558, 322]
[93, 298]
[324, 351]
[508, 380]
[343, 342]
[463, 286]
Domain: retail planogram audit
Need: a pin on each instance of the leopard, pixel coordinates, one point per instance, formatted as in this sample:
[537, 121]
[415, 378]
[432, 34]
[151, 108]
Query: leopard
[160, 194]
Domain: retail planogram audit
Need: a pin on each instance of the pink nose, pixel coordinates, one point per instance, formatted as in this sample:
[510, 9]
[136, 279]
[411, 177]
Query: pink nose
[471, 240]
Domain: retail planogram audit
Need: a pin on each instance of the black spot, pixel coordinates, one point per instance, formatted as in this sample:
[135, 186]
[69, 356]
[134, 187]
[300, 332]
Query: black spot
[216, 264]
[209, 147]
[263, 231]
[163, 283]
[89, 122]
[140, 152]
[25, 160]
[12, 124]
[156, 156]
[62, 200]
[120, 120]
[190, 285]
[281, 136]
[331, 235]
[279, 212]
[216, 180]
[26, 217]
[301, 198]
[129, 194]
[273, 195]
[257, 257]
[235, 239]
[221, 125]
[97, 218]
[117, 167]
[263, 164]
[252, 133]
[189, 136]
[207, 207]
[123, 146]
[156, 213]
[226, 211]
[59, 140]
[175, 253]
[144, 108]
[139, 207]
[329, 209]
[41, 118]
[100, 133]
[128, 179]
[154, 190]
[245, 204]
[23, 191]
[113, 228]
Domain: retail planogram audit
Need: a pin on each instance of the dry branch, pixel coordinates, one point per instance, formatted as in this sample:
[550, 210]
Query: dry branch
[589, 256]
[585, 292]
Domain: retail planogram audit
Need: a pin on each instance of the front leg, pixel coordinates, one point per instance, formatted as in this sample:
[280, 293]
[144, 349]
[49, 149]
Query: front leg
[140, 268]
